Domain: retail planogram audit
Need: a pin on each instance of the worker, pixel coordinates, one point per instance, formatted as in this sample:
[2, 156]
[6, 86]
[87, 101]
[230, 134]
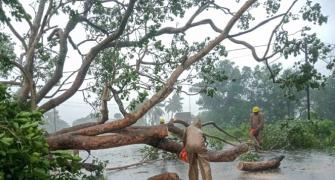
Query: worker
[161, 120]
[194, 143]
[256, 125]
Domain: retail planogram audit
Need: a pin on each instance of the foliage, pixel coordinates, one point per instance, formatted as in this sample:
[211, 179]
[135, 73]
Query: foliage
[23, 149]
[324, 100]
[6, 54]
[240, 132]
[284, 134]
[152, 153]
[243, 89]
[250, 156]
[24, 152]
[212, 142]
[295, 134]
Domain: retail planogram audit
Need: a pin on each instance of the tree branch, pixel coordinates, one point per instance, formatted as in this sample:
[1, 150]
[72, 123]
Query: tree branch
[276, 28]
[18, 36]
[87, 61]
[104, 108]
[258, 25]
[88, 22]
[131, 135]
[168, 87]
[119, 102]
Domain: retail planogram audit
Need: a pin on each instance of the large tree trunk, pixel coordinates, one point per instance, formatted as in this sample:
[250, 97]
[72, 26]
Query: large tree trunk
[126, 136]
[259, 166]
[150, 135]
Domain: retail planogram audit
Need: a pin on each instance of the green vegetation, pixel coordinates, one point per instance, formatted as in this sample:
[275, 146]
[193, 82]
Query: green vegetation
[286, 134]
[250, 157]
[152, 153]
[24, 152]
[299, 134]
[233, 97]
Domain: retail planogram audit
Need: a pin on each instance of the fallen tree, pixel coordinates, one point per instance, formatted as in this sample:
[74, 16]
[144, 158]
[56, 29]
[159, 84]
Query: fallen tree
[103, 134]
[261, 165]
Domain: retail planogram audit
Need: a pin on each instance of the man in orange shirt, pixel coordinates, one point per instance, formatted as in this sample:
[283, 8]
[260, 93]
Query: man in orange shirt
[256, 123]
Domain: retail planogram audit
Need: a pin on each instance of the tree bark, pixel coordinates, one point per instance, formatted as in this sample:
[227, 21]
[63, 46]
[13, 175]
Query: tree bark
[127, 136]
[259, 166]
[150, 135]
[165, 176]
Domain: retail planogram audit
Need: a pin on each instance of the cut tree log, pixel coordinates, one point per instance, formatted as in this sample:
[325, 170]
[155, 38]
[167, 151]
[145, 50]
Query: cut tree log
[165, 176]
[262, 165]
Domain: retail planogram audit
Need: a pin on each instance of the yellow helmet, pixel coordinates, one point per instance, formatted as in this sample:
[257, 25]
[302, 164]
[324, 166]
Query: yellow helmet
[161, 120]
[255, 109]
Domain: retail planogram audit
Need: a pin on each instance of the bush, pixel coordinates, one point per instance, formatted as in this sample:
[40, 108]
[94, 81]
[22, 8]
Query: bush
[250, 157]
[297, 134]
[152, 153]
[24, 152]
[286, 134]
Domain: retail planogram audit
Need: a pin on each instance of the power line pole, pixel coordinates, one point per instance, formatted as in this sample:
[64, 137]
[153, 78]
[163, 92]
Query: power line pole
[307, 86]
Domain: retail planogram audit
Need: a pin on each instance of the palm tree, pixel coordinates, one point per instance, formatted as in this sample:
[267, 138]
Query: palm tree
[154, 114]
[174, 104]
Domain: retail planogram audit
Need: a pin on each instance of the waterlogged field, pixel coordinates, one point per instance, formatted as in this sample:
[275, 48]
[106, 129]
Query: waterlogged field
[297, 165]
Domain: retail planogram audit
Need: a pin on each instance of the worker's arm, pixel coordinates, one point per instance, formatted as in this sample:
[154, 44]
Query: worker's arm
[250, 119]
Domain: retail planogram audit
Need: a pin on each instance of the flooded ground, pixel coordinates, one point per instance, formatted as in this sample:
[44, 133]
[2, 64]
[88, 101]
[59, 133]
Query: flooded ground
[297, 165]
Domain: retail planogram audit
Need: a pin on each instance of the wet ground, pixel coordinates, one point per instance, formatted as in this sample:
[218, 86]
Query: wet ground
[297, 165]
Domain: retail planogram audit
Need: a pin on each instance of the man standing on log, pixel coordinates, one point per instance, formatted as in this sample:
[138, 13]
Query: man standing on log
[257, 123]
[194, 142]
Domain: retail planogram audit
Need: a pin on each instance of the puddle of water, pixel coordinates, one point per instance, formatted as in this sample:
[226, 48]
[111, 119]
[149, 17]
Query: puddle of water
[297, 165]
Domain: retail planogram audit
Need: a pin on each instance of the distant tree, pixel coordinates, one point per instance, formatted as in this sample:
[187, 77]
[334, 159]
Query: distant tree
[235, 95]
[174, 104]
[117, 116]
[323, 100]
[224, 100]
[154, 113]
[92, 117]
[53, 122]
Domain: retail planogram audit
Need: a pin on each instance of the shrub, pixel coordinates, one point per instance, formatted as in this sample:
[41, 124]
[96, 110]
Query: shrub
[24, 152]
[295, 134]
